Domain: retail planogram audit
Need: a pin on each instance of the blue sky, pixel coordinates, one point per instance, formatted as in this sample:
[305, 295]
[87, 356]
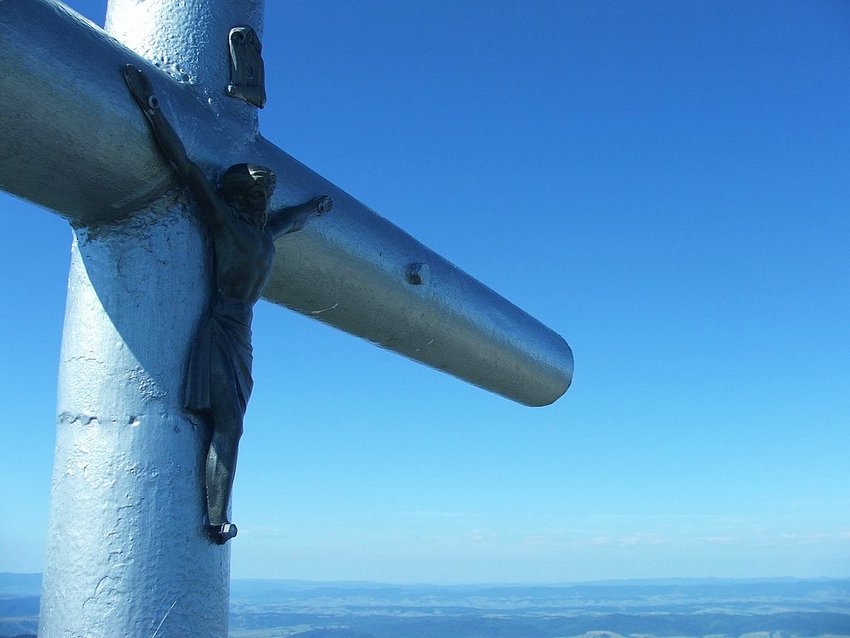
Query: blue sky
[664, 184]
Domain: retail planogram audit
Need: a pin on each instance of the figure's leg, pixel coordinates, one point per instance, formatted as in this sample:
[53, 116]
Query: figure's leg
[221, 463]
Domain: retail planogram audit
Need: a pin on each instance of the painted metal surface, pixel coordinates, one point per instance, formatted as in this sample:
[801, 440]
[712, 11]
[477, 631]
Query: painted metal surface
[128, 553]
[66, 114]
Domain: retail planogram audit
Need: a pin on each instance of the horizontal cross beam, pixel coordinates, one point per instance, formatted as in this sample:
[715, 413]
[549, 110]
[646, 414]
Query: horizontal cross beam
[68, 119]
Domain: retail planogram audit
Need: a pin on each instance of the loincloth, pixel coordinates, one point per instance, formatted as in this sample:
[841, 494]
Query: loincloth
[221, 356]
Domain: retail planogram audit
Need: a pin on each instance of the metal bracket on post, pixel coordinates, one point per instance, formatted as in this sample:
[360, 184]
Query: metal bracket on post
[247, 72]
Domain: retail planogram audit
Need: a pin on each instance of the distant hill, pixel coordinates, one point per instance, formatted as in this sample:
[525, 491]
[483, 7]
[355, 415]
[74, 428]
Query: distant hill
[20, 584]
[671, 596]
[780, 608]
[19, 594]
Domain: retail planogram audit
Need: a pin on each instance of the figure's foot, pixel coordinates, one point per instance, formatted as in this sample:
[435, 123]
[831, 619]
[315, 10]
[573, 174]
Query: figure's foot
[220, 534]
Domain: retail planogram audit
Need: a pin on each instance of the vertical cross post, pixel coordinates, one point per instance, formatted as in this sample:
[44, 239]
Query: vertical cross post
[128, 554]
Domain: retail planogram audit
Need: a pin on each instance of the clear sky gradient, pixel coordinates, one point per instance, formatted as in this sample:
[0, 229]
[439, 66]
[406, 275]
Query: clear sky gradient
[665, 184]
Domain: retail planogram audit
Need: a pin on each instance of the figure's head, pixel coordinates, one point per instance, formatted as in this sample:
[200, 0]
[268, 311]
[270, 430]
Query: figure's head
[248, 188]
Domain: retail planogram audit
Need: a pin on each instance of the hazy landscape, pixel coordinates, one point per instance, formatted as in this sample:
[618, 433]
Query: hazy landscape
[707, 608]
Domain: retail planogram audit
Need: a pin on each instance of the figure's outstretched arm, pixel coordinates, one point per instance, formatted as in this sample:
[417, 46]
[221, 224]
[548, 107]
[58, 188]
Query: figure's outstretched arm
[288, 220]
[170, 144]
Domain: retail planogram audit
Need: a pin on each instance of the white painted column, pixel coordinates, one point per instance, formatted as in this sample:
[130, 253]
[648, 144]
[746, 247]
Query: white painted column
[188, 39]
[127, 552]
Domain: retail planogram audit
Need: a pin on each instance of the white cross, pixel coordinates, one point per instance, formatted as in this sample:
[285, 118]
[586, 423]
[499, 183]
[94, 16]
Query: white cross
[126, 556]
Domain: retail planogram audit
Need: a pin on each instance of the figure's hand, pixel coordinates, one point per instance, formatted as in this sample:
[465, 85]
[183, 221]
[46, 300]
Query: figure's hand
[141, 89]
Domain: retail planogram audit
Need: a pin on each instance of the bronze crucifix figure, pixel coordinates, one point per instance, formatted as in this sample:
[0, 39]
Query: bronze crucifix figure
[218, 380]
